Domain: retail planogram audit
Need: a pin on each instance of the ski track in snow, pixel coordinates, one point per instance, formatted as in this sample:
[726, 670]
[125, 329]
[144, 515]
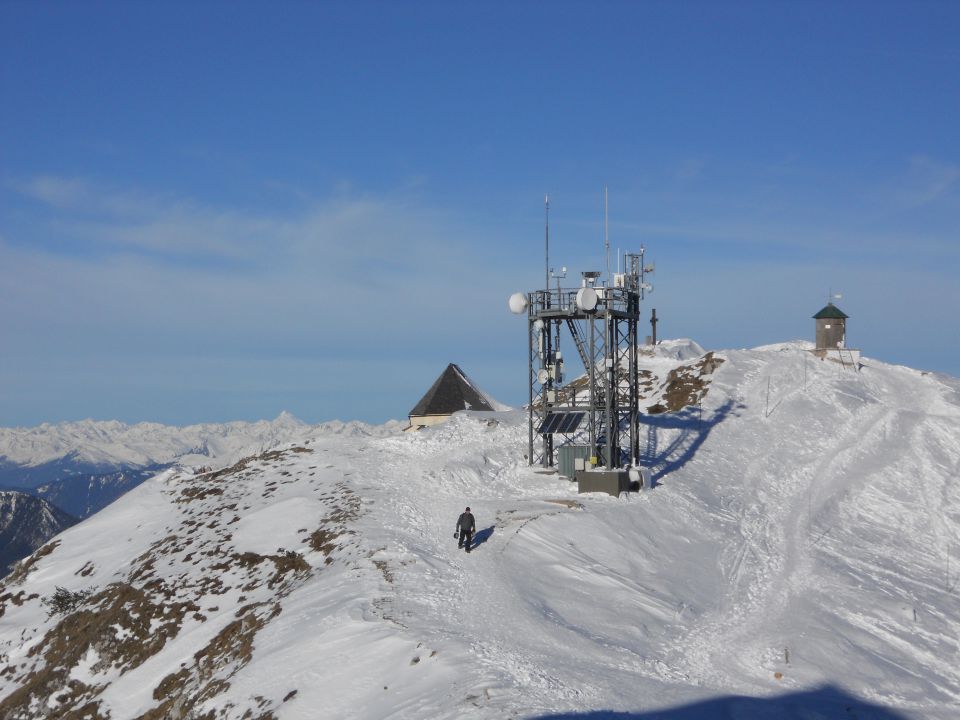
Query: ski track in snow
[773, 556]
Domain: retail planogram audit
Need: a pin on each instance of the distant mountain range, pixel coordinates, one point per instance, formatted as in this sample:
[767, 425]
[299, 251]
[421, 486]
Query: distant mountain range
[30, 457]
[26, 523]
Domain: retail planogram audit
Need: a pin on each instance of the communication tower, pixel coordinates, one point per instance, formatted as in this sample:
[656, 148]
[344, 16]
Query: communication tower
[595, 419]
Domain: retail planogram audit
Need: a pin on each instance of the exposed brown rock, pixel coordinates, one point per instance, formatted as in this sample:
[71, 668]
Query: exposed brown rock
[122, 623]
[25, 566]
[686, 385]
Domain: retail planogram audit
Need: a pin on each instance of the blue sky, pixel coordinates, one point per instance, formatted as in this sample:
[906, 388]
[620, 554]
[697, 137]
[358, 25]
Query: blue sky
[213, 211]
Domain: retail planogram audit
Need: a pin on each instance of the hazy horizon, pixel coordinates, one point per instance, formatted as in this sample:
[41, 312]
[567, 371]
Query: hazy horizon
[221, 211]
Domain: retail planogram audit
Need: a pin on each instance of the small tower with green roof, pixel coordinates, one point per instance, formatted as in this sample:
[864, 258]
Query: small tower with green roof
[831, 328]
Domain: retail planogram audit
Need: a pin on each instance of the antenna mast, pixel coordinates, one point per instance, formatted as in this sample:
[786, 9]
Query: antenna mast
[546, 214]
[606, 231]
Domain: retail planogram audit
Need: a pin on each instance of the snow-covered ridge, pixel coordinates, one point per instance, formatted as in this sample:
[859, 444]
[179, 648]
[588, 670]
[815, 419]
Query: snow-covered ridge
[795, 553]
[682, 349]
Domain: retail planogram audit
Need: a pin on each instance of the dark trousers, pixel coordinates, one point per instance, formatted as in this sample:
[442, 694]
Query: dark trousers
[466, 538]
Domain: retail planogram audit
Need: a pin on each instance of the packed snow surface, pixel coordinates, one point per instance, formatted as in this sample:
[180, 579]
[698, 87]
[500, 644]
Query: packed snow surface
[797, 559]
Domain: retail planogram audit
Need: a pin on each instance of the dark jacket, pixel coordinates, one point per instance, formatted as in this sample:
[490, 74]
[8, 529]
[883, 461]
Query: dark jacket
[466, 523]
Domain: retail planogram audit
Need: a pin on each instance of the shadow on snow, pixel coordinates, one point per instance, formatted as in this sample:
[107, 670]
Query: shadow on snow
[694, 430]
[825, 703]
[481, 536]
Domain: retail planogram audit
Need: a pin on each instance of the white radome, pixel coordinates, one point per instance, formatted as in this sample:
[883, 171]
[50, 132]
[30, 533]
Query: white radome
[518, 303]
[587, 299]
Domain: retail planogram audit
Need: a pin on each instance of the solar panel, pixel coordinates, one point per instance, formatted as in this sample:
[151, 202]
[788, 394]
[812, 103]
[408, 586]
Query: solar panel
[550, 423]
[570, 422]
[561, 423]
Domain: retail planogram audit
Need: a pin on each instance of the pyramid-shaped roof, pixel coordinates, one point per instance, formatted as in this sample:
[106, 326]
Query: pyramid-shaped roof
[451, 392]
[831, 312]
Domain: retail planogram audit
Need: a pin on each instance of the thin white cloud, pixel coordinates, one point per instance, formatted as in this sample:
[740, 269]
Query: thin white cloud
[162, 281]
[344, 270]
[340, 233]
[929, 180]
[83, 196]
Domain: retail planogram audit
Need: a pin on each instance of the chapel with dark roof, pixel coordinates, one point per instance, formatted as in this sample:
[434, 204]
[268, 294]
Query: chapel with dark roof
[451, 392]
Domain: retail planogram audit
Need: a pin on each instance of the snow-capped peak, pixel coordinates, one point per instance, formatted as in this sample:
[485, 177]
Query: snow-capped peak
[288, 419]
[113, 444]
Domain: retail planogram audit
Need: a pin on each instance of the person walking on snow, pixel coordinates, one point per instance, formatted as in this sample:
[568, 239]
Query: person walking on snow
[466, 525]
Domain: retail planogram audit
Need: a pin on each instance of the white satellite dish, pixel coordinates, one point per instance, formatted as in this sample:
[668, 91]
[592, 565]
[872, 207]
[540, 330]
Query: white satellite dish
[518, 303]
[587, 299]
[543, 376]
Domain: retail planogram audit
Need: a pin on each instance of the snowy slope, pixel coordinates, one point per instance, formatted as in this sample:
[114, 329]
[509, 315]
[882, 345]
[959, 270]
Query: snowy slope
[794, 561]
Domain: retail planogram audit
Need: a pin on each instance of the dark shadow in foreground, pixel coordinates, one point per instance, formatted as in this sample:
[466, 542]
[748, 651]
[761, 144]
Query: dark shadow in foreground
[825, 703]
[482, 536]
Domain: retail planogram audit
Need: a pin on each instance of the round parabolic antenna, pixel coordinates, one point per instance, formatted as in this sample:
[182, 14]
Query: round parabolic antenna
[587, 299]
[542, 376]
[518, 303]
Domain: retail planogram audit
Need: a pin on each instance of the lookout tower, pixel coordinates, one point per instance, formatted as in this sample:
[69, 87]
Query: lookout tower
[831, 327]
[831, 338]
